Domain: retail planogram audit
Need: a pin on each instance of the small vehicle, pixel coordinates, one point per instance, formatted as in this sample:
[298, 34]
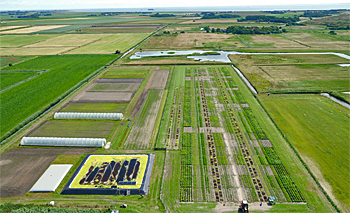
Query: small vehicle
[271, 200]
[243, 207]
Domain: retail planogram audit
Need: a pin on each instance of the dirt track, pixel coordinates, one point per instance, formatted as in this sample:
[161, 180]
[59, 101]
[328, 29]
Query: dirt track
[21, 168]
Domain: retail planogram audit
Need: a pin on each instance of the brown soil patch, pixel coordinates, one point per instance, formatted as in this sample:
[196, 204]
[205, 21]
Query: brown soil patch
[188, 129]
[266, 143]
[24, 166]
[160, 79]
[103, 97]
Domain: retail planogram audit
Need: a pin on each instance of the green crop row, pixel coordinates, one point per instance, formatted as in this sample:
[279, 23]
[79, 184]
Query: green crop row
[186, 180]
[220, 149]
[187, 105]
[204, 154]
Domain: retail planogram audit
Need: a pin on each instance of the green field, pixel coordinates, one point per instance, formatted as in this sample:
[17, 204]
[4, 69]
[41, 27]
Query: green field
[126, 72]
[110, 44]
[36, 94]
[22, 40]
[319, 129]
[95, 107]
[9, 78]
[74, 129]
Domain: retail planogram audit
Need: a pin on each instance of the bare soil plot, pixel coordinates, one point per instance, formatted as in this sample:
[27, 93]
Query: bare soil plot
[117, 97]
[34, 51]
[141, 132]
[160, 79]
[113, 87]
[21, 168]
[200, 39]
[318, 42]
[275, 40]
[72, 40]
[73, 129]
[34, 29]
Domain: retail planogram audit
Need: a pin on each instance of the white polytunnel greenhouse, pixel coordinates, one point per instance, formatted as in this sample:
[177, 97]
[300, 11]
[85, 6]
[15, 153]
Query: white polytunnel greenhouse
[71, 142]
[83, 115]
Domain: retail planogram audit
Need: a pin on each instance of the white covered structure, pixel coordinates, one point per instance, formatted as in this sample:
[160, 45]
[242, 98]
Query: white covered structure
[70, 142]
[83, 115]
[51, 179]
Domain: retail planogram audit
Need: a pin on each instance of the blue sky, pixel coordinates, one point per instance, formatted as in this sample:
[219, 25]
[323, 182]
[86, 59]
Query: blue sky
[94, 4]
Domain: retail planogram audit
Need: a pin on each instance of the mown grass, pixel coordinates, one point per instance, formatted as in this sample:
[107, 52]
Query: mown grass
[23, 100]
[319, 129]
[127, 73]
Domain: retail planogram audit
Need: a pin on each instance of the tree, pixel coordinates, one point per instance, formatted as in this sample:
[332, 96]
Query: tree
[213, 30]
[117, 52]
[218, 30]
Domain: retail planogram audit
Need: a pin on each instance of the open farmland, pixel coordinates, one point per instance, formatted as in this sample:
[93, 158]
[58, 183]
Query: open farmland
[111, 43]
[318, 41]
[126, 72]
[13, 60]
[193, 40]
[94, 107]
[35, 96]
[319, 129]
[270, 41]
[74, 129]
[22, 40]
[32, 29]
[20, 168]
[38, 51]
[71, 40]
[9, 79]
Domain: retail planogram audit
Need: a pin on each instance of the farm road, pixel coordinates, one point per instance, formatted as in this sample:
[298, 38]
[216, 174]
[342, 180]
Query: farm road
[21, 168]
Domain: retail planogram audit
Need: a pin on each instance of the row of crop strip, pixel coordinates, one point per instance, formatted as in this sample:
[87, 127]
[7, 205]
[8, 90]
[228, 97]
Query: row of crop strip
[243, 145]
[211, 142]
[291, 192]
[186, 181]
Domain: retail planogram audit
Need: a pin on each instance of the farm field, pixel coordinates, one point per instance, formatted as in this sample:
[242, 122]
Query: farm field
[74, 129]
[111, 43]
[193, 40]
[5, 61]
[33, 29]
[317, 41]
[22, 40]
[318, 129]
[213, 141]
[94, 107]
[35, 96]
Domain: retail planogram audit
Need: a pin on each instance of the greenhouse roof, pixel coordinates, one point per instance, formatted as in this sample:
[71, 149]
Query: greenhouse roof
[51, 178]
[69, 142]
[83, 115]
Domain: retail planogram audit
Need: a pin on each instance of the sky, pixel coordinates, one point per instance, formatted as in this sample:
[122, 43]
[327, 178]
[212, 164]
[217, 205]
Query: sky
[95, 4]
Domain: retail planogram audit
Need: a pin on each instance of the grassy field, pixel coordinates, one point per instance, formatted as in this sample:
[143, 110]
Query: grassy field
[126, 72]
[38, 51]
[36, 94]
[4, 61]
[319, 129]
[71, 40]
[74, 129]
[22, 40]
[9, 78]
[95, 107]
[287, 59]
[110, 44]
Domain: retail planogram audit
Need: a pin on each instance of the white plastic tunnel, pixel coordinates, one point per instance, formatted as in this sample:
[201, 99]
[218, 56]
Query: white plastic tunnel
[80, 115]
[68, 142]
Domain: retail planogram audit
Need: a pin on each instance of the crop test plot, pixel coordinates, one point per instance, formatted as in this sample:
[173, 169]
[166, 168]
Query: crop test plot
[112, 174]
